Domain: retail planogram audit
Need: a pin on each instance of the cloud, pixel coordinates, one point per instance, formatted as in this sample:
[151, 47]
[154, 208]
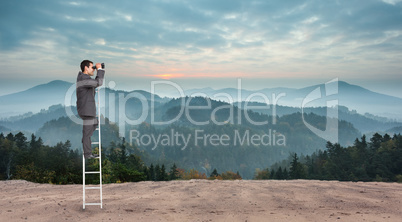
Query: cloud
[253, 37]
[392, 2]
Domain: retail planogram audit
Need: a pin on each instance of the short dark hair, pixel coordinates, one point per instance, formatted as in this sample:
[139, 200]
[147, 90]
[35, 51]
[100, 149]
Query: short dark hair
[85, 63]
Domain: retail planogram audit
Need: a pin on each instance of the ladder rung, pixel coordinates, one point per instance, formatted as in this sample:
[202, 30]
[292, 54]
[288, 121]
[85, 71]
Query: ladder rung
[97, 128]
[95, 143]
[92, 188]
[92, 172]
[96, 157]
[92, 203]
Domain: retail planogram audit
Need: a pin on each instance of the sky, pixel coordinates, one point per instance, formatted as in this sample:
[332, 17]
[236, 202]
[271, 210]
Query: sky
[204, 43]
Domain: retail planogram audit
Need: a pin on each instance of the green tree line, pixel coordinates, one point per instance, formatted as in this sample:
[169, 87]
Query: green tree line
[31, 160]
[379, 159]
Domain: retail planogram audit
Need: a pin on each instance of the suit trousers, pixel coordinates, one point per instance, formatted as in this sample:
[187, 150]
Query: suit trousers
[90, 123]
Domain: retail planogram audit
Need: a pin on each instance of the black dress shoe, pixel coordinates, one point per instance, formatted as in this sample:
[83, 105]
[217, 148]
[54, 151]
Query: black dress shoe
[92, 156]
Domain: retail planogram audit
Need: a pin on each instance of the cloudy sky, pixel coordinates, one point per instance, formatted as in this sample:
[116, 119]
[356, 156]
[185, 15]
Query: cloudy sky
[202, 43]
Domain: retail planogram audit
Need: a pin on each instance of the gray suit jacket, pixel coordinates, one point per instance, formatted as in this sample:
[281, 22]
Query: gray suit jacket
[86, 92]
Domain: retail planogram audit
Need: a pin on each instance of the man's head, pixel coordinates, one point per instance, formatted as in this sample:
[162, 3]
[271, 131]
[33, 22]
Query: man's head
[86, 67]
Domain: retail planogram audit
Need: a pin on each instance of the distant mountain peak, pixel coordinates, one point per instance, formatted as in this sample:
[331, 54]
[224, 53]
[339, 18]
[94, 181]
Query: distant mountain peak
[55, 84]
[57, 81]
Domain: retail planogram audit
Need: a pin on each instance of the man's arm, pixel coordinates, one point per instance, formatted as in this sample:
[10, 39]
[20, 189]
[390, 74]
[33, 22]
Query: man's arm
[100, 75]
[88, 82]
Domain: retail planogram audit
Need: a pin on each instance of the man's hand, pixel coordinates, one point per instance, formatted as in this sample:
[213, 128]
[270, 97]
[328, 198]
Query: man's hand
[98, 65]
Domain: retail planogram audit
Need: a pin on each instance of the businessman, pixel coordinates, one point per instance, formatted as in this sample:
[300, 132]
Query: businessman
[86, 102]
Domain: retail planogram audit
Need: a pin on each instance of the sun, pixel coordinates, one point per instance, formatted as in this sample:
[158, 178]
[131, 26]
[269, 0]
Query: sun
[168, 75]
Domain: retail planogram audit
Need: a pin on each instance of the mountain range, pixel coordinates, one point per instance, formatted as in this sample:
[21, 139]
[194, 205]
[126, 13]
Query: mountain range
[352, 96]
[34, 99]
[42, 96]
[34, 106]
[42, 111]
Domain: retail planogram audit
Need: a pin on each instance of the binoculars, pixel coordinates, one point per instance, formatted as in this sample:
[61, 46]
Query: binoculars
[102, 64]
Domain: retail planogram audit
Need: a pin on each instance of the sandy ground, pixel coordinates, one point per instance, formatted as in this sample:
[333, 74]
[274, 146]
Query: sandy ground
[203, 200]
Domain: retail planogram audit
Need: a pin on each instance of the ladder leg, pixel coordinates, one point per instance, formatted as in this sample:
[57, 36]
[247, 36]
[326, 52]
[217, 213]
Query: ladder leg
[83, 182]
[100, 177]
[100, 151]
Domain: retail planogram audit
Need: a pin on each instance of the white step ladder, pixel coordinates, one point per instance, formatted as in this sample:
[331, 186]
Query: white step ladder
[84, 187]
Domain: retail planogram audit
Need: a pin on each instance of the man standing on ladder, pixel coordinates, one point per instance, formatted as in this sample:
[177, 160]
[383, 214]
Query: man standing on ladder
[86, 102]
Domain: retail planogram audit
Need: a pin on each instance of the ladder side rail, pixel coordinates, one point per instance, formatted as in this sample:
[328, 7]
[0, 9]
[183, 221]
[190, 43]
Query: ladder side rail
[100, 149]
[83, 182]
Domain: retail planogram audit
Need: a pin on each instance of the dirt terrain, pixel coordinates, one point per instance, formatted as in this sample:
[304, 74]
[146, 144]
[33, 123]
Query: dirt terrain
[205, 200]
